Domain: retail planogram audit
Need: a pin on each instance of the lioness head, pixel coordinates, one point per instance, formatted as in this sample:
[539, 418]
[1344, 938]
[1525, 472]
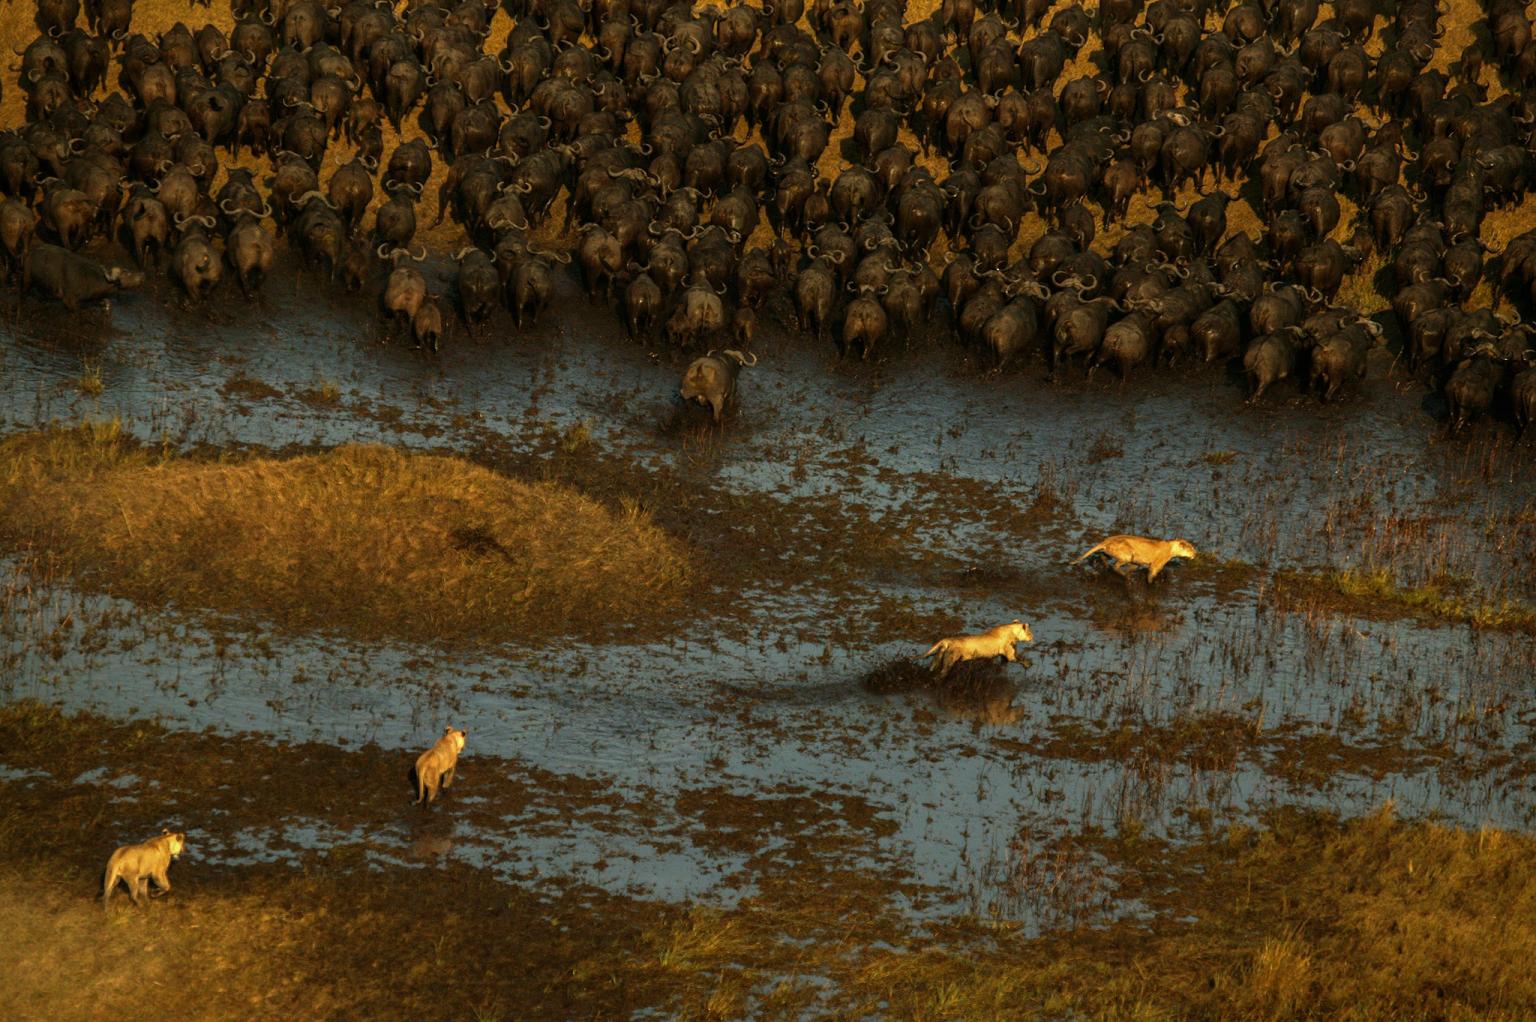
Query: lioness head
[174, 842]
[1182, 548]
[456, 737]
[1020, 632]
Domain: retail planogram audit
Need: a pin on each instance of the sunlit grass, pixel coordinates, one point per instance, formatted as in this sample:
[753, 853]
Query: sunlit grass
[367, 539]
[1445, 600]
[89, 381]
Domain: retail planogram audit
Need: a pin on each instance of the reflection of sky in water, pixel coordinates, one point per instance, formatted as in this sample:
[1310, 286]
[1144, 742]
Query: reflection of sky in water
[781, 705]
[750, 716]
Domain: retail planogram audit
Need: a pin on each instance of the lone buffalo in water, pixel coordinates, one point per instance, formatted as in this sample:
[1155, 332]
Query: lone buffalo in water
[711, 379]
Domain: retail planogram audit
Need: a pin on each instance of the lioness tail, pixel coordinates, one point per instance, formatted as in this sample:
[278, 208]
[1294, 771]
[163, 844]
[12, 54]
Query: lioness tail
[1089, 554]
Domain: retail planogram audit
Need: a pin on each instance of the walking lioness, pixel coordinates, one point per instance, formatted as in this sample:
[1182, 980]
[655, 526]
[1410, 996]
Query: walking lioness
[437, 764]
[1139, 552]
[136, 865]
[993, 642]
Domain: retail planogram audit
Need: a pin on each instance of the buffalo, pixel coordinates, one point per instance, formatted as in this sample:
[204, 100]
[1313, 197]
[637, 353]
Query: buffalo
[710, 379]
[74, 279]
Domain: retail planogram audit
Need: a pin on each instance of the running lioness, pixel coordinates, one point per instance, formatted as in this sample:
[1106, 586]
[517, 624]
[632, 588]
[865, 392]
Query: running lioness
[1138, 552]
[993, 642]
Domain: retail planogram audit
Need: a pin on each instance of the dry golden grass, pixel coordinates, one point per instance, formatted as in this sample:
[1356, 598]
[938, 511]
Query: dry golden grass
[1373, 920]
[1309, 918]
[367, 539]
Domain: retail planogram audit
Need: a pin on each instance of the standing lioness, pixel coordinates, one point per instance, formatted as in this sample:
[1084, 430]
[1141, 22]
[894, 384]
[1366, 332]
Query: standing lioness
[437, 764]
[993, 642]
[136, 865]
[1139, 552]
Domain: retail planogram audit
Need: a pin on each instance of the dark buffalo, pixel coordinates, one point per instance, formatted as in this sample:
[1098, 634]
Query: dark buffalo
[249, 248]
[711, 379]
[1472, 387]
[1271, 358]
[74, 279]
[1522, 395]
[479, 285]
[1343, 355]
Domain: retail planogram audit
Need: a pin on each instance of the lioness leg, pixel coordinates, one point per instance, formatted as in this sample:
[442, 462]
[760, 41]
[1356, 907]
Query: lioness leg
[1155, 567]
[162, 881]
[448, 775]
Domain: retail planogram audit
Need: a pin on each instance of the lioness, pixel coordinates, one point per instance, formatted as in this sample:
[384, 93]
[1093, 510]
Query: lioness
[437, 764]
[136, 865]
[993, 642]
[1139, 552]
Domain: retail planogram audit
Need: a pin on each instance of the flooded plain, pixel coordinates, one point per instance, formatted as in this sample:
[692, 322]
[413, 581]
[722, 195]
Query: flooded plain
[845, 517]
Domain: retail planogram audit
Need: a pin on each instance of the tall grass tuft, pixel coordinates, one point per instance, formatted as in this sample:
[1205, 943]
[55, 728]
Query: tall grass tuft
[89, 382]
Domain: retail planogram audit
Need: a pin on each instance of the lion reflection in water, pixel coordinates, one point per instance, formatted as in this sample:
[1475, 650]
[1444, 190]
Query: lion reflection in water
[985, 700]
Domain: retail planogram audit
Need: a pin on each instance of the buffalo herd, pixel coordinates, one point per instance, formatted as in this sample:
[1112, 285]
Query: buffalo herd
[869, 163]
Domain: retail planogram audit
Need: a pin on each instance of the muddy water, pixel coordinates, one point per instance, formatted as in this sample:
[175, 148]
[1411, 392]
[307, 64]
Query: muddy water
[968, 789]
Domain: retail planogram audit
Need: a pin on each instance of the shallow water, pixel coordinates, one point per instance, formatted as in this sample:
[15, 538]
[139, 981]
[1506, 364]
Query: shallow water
[763, 700]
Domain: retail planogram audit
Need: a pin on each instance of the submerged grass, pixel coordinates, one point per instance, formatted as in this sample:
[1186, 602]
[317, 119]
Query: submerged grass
[1374, 591]
[367, 539]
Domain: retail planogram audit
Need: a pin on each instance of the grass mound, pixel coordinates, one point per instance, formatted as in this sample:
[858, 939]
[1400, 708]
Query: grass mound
[370, 540]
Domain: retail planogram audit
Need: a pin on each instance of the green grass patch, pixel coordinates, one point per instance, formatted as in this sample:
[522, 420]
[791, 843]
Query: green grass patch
[1375, 591]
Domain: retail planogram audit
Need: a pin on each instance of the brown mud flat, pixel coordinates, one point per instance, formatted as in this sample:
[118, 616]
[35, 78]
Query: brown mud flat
[1304, 916]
